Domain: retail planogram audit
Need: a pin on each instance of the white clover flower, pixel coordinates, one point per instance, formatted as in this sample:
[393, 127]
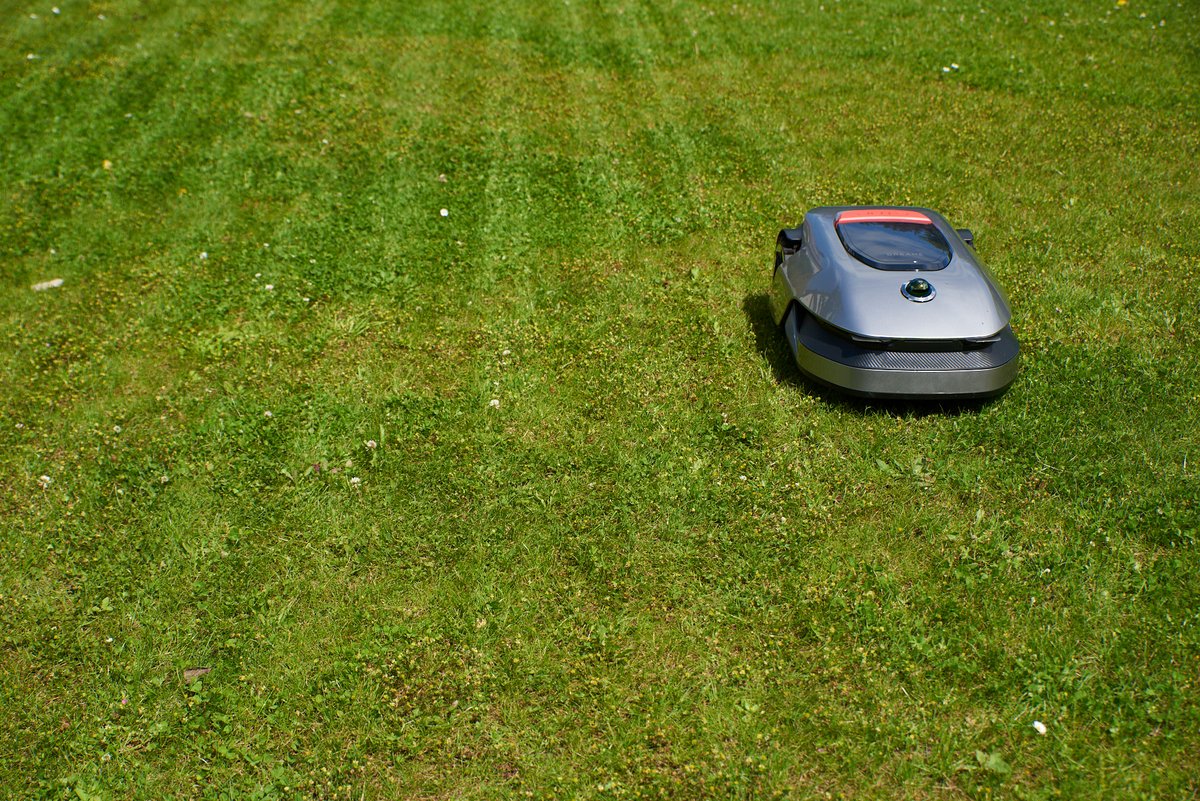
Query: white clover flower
[372, 444]
[494, 403]
[267, 414]
[1039, 727]
[355, 481]
[45, 481]
[203, 255]
[116, 429]
[55, 10]
[269, 287]
[445, 212]
[505, 352]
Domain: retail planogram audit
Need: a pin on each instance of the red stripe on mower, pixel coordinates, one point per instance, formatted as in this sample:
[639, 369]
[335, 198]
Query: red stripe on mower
[882, 215]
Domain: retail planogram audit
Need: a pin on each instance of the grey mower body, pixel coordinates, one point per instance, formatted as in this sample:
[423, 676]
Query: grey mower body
[891, 302]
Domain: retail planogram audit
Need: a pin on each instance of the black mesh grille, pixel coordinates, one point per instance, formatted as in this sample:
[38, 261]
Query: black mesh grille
[835, 346]
[915, 360]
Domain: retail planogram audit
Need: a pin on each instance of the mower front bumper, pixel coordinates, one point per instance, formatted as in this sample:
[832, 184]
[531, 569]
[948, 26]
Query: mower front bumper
[833, 359]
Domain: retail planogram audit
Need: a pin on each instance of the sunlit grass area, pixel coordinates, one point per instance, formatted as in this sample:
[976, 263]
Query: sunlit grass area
[407, 419]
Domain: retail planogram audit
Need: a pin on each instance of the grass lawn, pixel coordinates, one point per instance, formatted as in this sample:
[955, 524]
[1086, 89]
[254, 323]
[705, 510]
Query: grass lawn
[525, 498]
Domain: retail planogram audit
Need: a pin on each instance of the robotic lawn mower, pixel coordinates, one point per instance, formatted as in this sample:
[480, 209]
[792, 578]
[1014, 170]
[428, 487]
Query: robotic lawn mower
[891, 302]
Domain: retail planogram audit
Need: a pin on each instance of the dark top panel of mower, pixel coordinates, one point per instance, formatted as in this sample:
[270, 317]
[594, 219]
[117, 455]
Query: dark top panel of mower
[895, 245]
